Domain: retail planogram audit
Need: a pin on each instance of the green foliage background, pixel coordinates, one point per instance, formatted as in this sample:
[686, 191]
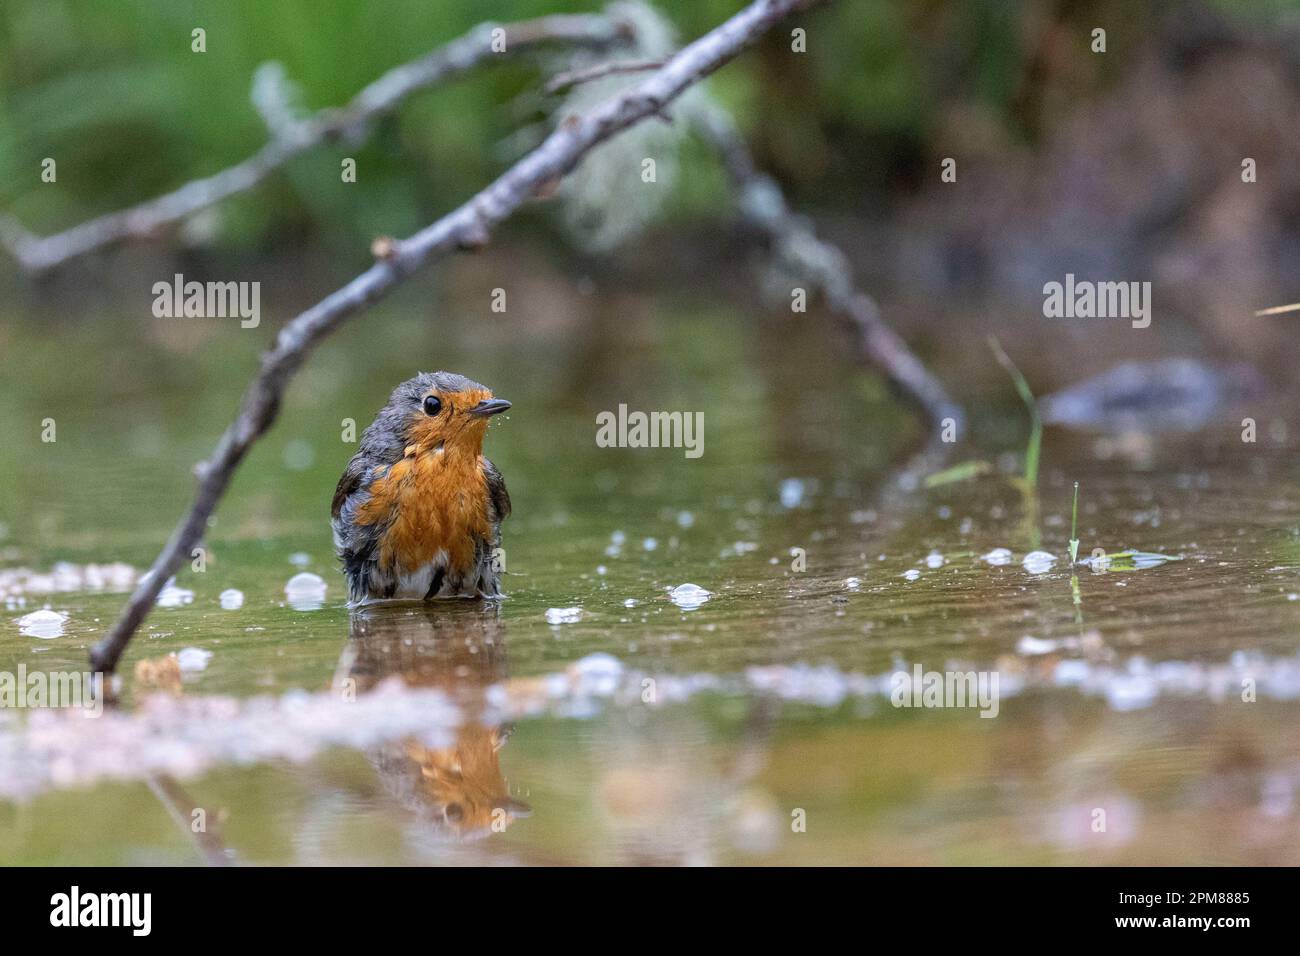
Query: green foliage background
[113, 92]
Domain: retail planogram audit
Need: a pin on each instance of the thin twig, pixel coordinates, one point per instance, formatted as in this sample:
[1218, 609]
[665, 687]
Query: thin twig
[291, 136]
[464, 228]
[562, 81]
[823, 267]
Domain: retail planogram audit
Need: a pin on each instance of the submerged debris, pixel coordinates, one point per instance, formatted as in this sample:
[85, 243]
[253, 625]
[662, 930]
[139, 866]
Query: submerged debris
[1128, 561]
[159, 673]
[1177, 394]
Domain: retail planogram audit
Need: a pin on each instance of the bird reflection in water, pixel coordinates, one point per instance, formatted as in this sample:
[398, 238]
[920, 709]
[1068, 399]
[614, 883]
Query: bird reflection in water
[459, 649]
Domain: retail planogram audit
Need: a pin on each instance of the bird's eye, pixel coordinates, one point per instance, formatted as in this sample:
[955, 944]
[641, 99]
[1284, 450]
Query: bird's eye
[432, 405]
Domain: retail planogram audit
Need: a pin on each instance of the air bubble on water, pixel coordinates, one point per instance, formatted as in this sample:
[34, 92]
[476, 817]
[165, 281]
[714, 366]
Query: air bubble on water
[1038, 562]
[998, 557]
[305, 591]
[792, 493]
[563, 615]
[193, 659]
[649, 544]
[173, 596]
[631, 602]
[597, 674]
[300, 559]
[618, 538]
[231, 599]
[911, 574]
[1031, 646]
[934, 560]
[44, 624]
[685, 519]
[689, 596]
[853, 583]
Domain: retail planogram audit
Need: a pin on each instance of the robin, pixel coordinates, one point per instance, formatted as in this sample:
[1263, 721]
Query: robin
[418, 511]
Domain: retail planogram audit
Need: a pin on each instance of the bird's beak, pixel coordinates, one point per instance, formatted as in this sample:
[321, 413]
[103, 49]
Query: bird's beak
[492, 406]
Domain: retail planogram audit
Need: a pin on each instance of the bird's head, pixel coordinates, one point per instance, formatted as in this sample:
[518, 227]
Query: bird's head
[442, 411]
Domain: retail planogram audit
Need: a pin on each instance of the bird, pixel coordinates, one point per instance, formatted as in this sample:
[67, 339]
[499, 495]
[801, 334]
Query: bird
[417, 513]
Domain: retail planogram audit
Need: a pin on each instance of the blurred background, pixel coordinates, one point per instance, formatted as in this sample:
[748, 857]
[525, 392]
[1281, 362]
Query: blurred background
[1117, 166]
[1126, 162]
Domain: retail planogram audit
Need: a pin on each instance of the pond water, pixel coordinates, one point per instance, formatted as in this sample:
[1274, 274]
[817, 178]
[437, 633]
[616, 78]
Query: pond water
[1141, 715]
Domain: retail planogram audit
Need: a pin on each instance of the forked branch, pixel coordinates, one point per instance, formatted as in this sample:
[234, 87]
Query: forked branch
[293, 136]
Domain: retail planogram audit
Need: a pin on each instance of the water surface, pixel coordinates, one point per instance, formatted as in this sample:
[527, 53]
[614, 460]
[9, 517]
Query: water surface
[769, 735]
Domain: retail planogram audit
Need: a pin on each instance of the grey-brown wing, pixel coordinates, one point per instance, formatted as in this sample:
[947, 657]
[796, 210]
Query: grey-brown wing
[496, 488]
[348, 483]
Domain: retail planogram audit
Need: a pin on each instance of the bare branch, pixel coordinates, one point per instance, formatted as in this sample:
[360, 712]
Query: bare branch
[292, 136]
[823, 267]
[466, 227]
[562, 81]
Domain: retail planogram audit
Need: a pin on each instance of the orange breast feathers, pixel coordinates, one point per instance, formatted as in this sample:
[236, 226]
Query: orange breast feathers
[432, 500]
